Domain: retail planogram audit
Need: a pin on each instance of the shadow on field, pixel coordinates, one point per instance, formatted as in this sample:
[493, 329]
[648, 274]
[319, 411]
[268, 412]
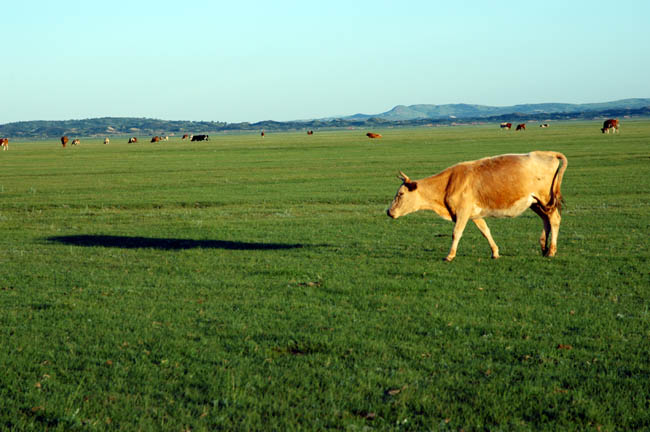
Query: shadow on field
[126, 242]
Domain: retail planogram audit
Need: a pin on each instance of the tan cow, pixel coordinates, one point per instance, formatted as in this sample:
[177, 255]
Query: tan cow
[75, 142]
[4, 142]
[107, 141]
[499, 186]
[373, 135]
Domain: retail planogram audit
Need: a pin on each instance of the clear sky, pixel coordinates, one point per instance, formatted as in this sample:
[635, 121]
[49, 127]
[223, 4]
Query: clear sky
[285, 60]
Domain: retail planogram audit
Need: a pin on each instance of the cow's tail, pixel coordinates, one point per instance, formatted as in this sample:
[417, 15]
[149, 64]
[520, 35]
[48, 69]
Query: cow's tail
[557, 200]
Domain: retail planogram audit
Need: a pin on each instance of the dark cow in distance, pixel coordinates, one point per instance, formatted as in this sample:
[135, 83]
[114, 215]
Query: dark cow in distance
[521, 126]
[64, 140]
[186, 136]
[610, 124]
[200, 138]
[155, 139]
[499, 186]
[505, 125]
[133, 140]
[4, 142]
[310, 132]
[544, 125]
[373, 135]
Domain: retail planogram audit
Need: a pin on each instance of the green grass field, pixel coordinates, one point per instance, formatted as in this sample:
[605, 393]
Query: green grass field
[249, 284]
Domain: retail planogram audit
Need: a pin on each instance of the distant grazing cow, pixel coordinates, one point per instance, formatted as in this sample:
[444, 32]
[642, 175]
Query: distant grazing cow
[505, 125]
[499, 186]
[373, 135]
[4, 142]
[185, 136]
[521, 126]
[262, 134]
[155, 139]
[106, 140]
[310, 132]
[75, 141]
[545, 125]
[611, 124]
[64, 140]
[133, 140]
[165, 138]
[200, 138]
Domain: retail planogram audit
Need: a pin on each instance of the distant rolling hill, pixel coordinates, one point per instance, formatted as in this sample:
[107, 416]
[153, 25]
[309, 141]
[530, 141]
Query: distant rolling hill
[464, 111]
[401, 115]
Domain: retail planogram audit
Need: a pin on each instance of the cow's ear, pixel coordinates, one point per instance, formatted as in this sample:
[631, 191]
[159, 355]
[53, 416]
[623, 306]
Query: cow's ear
[411, 186]
[404, 177]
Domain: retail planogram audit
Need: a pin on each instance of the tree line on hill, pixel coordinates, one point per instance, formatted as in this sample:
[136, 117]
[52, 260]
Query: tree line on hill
[128, 126]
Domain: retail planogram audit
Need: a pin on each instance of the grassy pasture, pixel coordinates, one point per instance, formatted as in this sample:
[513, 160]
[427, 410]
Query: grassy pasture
[249, 283]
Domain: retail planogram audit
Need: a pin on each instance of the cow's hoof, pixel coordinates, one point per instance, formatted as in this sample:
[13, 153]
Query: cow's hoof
[448, 259]
[497, 256]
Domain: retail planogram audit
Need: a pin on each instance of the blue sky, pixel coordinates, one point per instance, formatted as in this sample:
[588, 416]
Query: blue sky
[286, 60]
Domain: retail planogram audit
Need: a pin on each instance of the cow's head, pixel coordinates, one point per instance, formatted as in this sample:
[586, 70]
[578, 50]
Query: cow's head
[407, 198]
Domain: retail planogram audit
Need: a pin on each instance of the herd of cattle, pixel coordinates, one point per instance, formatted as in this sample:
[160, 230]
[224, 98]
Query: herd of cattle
[520, 126]
[609, 125]
[131, 140]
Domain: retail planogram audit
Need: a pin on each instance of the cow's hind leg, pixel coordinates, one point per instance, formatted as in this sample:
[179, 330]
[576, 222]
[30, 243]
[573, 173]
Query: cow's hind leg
[554, 219]
[546, 230]
[461, 222]
[482, 226]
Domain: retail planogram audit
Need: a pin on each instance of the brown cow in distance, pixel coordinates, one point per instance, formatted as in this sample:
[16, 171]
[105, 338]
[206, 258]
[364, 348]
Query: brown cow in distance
[610, 124]
[4, 142]
[133, 140]
[155, 139]
[75, 142]
[185, 136]
[499, 186]
[373, 135]
[521, 126]
[505, 125]
[310, 132]
[64, 140]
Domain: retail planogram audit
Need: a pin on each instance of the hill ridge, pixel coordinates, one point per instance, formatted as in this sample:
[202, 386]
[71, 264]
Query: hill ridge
[403, 115]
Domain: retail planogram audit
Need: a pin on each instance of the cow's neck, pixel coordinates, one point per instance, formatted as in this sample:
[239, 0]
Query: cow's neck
[433, 193]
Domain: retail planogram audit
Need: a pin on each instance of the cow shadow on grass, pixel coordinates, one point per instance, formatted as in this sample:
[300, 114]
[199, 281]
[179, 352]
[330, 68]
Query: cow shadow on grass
[129, 242]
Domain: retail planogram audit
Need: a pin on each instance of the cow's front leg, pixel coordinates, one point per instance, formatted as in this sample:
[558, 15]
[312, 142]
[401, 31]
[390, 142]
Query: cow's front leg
[482, 226]
[461, 221]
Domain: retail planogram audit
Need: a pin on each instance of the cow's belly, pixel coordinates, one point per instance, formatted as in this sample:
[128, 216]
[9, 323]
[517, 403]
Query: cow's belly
[517, 208]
